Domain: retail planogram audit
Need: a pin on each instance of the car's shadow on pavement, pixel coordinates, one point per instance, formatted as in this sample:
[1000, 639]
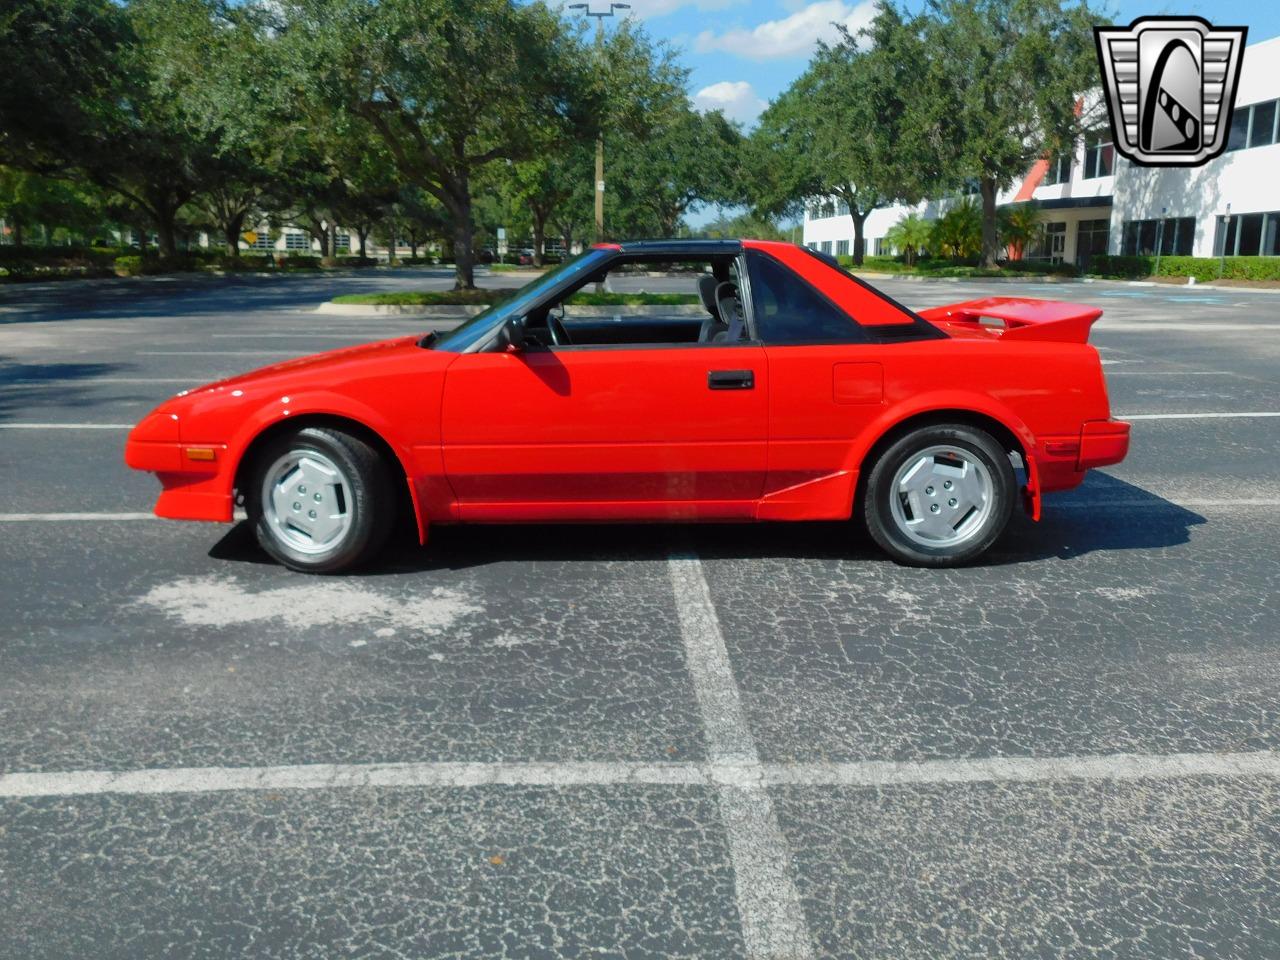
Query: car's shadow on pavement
[1104, 515]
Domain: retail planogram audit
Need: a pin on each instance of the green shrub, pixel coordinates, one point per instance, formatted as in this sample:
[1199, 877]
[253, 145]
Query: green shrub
[302, 263]
[424, 298]
[138, 266]
[356, 262]
[130, 266]
[1204, 269]
[1110, 265]
[61, 256]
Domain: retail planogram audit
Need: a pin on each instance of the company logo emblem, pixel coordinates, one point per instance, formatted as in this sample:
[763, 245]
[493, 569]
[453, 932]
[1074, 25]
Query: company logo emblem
[1171, 87]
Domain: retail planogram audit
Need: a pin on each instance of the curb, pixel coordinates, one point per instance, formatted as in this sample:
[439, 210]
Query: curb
[444, 312]
[915, 278]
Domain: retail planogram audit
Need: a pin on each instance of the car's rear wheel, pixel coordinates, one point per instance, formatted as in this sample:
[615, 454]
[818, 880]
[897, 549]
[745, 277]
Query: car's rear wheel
[321, 500]
[940, 496]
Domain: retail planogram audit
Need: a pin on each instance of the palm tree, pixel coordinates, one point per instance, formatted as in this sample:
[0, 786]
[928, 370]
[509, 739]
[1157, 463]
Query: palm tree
[909, 236]
[1019, 226]
[958, 232]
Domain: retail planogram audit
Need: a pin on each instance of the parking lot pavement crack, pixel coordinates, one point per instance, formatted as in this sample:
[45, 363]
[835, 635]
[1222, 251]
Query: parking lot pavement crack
[773, 922]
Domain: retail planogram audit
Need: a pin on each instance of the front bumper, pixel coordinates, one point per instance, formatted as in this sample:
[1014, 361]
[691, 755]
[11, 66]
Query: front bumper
[194, 477]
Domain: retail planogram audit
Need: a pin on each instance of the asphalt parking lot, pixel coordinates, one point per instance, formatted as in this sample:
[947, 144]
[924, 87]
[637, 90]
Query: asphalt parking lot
[724, 741]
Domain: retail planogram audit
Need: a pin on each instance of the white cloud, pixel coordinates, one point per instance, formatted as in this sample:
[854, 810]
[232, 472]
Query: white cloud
[737, 98]
[793, 36]
[649, 9]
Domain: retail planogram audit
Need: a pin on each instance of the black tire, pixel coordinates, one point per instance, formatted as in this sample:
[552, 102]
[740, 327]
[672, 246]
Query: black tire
[367, 501]
[878, 507]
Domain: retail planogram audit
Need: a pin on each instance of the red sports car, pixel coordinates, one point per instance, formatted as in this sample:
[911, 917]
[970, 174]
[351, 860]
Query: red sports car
[794, 391]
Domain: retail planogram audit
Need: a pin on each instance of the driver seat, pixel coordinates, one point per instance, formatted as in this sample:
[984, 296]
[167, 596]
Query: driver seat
[729, 306]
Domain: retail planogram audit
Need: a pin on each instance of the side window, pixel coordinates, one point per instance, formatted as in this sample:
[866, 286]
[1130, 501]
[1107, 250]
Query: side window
[788, 310]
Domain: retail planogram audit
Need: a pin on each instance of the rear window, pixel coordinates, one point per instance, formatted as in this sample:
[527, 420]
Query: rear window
[789, 310]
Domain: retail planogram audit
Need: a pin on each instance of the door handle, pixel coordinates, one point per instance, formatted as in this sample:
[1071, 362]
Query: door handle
[731, 379]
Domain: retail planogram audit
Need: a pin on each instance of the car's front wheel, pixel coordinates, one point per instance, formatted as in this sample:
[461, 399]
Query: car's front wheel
[321, 500]
[940, 495]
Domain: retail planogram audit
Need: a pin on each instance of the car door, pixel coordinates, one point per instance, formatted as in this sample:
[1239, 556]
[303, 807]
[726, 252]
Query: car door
[604, 432]
[827, 386]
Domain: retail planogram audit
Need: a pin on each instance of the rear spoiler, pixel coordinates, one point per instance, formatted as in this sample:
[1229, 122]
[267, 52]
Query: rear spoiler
[1022, 318]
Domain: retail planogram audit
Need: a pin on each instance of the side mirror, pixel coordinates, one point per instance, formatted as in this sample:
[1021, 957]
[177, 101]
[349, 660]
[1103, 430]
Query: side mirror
[512, 335]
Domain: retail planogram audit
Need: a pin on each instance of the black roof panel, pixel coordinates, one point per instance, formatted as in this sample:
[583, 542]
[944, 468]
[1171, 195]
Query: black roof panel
[684, 247]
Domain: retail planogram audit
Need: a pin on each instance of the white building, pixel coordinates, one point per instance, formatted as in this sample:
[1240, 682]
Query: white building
[1095, 201]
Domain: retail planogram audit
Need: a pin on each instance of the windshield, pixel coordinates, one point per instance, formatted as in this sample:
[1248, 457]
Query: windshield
[480, 327]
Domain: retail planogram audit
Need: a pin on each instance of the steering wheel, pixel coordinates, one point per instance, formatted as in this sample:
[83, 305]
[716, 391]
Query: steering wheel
[559, 335]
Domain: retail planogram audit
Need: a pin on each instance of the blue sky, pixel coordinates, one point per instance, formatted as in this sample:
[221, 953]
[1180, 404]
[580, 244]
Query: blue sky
[745, 52]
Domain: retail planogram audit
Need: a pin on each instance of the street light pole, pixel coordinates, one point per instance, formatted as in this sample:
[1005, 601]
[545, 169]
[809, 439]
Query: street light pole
[599, 16]
[1222, 254]
[1160, 238]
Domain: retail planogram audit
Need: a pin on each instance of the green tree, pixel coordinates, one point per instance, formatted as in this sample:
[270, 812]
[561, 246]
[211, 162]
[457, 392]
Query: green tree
[743, 225]
[1007, 74]
[62, 78]
[29, 200]
[687, 160]
[541, 186]
[415, 217]
[148, 148]
[448, 86]
[232, 85]
[909, 236]
[854, 126]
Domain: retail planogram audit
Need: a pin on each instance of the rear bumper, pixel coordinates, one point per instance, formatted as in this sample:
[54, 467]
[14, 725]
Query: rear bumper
[1064, 460]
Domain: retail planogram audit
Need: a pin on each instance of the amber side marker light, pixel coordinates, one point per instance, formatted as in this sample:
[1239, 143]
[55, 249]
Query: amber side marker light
[201, 453]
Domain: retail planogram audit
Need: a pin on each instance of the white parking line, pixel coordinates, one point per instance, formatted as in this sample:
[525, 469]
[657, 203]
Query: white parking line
[773, 923]
[71, 517]
[1171, 373]
[66, 426]
[217, 353]
[338, 336]
[1165, 502]
[191, 381]
[1243, 415]
[735, 776]
[1175, 326]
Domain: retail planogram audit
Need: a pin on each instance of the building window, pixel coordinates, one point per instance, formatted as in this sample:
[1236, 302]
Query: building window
[1099, 159]
[878, 248]
[1051, 244]
[1248, 235]
[1092, 238]
[341, 241]
[1238, 136]
[263, 240]
[826, 246]
[842, 208]
[1059, 170]
[1262, 128]
[842, 248]
[1173, 236]
[296, 240]
[1254, 126]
